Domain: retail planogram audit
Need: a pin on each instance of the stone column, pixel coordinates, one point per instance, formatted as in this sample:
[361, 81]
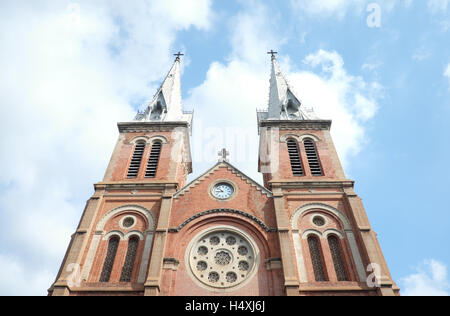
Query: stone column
[371, 245]
[291, 283]
[153, 283]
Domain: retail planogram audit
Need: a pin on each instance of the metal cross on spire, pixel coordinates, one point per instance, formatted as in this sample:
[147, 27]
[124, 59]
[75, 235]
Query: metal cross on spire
[178, 56]
[272, 53]
[223, 154]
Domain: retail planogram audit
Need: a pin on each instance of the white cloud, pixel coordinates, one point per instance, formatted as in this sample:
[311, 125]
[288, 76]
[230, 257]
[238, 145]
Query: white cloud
[447, 73]
[16, 279]
[232, 92]
[431, 279]
[438, 6]
[328, 7]
[69, 72]
[339, 8]
[350, 101]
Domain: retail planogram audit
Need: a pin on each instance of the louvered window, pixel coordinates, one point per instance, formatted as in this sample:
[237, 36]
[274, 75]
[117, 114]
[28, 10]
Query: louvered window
[313, 158]
[153, 160]
[109, 260]
[316, 259]
[135, 164]
[338, 262]
[294, 155]
[127, 269]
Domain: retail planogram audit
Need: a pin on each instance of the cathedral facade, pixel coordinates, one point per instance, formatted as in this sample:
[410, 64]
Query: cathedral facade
[146, 231]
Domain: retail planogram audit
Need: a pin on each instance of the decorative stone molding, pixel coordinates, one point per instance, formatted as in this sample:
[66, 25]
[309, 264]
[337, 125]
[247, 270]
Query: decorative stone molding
[305, 208]
[160, 138]
[115, 233]
[149, 140]
[134, 233]
[297, 124]
[348, 233]
[274, 264]
[137, 139]
[136, 208]
[298, 138]
[223, 211]
[170, 264]
[233, 170]
[137, 127]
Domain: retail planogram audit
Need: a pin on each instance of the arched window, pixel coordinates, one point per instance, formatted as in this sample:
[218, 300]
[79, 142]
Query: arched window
[313, 158]
[338, 261]
[135, 164]
[109, 260]
[127, 269]
[153, 160]
[294, 155]
[315, 251]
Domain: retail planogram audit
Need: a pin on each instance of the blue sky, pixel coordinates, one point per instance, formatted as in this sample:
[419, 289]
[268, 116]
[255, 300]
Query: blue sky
[72, 69]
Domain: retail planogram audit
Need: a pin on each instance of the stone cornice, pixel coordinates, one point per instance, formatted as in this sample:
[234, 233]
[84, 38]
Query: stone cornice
[293, 184]
[223, 211]
[130, 127]
[159, 185]
[297, 124]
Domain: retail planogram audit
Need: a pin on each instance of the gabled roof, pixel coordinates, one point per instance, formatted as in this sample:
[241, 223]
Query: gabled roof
[230, 167]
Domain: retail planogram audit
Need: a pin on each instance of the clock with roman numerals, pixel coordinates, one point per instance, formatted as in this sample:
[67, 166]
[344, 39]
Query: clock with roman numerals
[222, 191]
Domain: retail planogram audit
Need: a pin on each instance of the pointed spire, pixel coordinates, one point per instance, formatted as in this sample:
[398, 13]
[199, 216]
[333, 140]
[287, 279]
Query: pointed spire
[283, 103]
[166, 104]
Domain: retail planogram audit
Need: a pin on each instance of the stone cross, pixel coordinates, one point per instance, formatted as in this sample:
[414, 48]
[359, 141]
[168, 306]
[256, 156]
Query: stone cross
[223, 154]
[178, 55]
[272, 53]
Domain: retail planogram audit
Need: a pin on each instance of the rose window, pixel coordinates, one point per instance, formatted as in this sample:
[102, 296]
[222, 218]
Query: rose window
[222, 259]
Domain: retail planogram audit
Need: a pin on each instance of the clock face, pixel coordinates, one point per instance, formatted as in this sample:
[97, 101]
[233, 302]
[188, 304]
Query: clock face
[223, 191]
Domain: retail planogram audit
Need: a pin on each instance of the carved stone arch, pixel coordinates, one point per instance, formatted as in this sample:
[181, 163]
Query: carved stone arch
[324, 207]
[309, 232]
[147, 236]
[137, 139]
[160, 138]
[299, 138]
[284, 138]
[136, 208]
[225, 211]
[333, 232]
[309, 136]
[348, 234]
[134, 233]
[114, 233]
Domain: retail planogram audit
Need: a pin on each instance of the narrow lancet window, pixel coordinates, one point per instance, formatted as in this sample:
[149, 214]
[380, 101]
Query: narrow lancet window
[294, 155]
[127, 269]
[338, 262]
[135, 164]
[109, 260]
[315, 251]
[313, 158]
[153, 160]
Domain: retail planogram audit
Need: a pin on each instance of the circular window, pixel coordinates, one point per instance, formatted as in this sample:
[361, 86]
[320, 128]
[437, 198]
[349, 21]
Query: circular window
[128, 222]
[318, 221]
[222, 258]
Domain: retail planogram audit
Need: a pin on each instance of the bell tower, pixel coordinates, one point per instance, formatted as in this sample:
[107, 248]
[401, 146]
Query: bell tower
[326, 241]
[128, 214]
